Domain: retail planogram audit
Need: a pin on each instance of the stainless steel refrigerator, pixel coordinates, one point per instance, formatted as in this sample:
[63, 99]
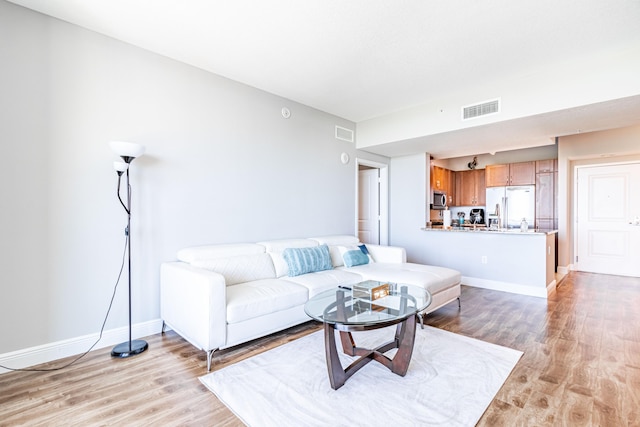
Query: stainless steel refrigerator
[512, 204]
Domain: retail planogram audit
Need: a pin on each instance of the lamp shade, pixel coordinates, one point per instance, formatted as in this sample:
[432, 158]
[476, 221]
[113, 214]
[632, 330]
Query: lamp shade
[127, 149]
[120, 166]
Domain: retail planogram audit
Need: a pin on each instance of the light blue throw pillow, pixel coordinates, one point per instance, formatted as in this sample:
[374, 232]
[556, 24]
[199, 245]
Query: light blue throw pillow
[355, 255]
[307, 260]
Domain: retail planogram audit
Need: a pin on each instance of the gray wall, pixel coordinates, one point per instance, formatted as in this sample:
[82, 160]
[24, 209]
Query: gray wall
[222, 165]
[408, 196]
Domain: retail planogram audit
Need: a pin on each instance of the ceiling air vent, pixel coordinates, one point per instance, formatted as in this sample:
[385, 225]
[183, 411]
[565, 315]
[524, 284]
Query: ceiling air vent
[481, 109]
[344, 134]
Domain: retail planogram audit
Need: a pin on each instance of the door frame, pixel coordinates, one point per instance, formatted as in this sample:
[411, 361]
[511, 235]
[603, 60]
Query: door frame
[575, 214]
[383, 199]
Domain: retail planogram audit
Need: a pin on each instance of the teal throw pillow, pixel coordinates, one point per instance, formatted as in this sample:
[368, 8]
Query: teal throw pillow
[355, 255]
[364, 249]
[307, 260]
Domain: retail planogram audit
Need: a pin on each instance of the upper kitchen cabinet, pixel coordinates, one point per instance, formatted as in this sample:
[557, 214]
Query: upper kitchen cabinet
[523, 173]
[470, 188]
[549, 165]
[444, 180]
[497, 175]
[451, 187]
[437, 178]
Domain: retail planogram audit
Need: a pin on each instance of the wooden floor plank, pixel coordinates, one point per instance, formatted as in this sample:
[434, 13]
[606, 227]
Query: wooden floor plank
[576, 409]
[541, 410]
[581, 366]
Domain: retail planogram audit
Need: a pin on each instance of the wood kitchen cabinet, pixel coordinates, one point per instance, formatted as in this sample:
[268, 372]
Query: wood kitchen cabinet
[496, 175]
[546, 194]
[444, 180]
[470, 188]
[523, 173]
[549, 165]
[437, 178]
[547, 198]
[451, 187]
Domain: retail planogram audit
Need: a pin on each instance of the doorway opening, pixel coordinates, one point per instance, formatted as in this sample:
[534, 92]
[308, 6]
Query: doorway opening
[372, 202]
[607, 221]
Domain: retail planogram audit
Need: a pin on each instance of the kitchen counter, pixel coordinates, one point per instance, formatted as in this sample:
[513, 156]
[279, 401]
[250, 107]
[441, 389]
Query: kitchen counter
[470, 229]
[505, 260]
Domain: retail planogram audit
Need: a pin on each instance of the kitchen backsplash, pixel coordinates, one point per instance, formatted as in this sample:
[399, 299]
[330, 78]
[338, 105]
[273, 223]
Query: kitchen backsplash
[437, 215]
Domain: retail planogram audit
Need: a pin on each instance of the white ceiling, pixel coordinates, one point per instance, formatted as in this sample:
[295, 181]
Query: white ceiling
[362, 59]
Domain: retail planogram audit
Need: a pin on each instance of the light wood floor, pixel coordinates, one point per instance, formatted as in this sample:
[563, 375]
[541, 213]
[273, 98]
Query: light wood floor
[581, 366]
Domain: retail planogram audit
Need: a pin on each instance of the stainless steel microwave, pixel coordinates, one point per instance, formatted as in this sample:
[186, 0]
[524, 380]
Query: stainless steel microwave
[439, 200]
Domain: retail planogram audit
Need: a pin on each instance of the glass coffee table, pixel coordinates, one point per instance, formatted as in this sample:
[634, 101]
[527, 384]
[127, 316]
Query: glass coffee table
[346, 311]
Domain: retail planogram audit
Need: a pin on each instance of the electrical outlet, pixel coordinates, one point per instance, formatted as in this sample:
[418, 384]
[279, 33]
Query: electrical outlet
[483, 259]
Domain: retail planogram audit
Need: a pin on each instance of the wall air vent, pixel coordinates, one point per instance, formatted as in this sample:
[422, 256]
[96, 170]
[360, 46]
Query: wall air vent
[344, 134]
[481, 109]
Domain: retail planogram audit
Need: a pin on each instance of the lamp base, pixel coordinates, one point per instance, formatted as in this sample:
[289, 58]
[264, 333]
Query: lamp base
[128, 349]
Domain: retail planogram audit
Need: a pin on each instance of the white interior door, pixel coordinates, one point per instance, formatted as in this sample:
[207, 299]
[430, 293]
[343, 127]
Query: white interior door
[369, 206]
[608, 210]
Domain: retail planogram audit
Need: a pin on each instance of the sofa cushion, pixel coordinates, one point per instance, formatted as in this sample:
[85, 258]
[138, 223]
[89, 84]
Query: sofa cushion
[240, 269]
[324, 280]
[334, 243]
[307, 260]
[354, 255]
[199, 253]
[434, 279]
[275, 248]
[258, 298]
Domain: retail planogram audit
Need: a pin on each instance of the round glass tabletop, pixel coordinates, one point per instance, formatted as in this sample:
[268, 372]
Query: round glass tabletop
[368, 303]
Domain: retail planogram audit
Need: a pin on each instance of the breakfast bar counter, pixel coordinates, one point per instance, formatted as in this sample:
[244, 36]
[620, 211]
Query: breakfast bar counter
[504, 260]
[510, 231]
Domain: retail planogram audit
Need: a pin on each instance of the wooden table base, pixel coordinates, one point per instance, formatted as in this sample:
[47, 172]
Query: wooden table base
[403, 341]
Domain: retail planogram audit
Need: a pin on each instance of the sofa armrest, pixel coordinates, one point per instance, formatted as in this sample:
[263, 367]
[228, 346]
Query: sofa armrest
[193, 302]
[390, 254]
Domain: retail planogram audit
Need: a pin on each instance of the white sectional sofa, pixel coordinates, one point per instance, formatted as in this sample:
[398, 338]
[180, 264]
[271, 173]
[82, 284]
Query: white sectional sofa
[219, 296]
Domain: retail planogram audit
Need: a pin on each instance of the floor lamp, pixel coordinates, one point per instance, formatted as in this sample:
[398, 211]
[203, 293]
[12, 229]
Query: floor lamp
[127, 151]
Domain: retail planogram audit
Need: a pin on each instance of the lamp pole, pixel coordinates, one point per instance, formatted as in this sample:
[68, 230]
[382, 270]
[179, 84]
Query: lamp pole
[128, 152]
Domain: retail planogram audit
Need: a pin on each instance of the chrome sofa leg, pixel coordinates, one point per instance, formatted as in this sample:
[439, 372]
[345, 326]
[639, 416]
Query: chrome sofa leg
[164, 327]
[209, 357]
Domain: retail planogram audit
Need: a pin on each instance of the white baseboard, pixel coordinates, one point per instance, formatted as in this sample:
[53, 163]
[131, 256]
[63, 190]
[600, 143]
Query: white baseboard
[514, 288]
[74, 346]
[564, 270]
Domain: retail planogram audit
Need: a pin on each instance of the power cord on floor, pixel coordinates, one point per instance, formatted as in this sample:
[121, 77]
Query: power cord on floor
[115, 288]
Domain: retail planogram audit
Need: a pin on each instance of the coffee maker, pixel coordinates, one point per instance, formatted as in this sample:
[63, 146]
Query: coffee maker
[476, 216]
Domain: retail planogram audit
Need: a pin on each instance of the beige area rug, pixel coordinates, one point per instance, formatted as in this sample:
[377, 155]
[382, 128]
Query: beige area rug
[451, 381]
